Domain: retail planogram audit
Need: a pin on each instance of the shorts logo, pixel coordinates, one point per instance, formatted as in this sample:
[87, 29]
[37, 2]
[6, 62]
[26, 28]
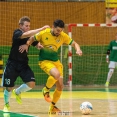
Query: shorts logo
[32, 78]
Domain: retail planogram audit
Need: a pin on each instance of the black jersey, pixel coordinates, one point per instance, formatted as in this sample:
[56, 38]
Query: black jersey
[16, 42]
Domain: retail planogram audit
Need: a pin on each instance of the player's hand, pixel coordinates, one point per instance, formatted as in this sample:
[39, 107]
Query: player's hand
[23, 48]
[39, 46]
[46, 26]
[79, 52]
[107, 60]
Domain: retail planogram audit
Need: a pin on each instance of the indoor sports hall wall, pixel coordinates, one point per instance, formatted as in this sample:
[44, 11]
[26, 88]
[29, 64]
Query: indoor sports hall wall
[91, 68]
[42, 13]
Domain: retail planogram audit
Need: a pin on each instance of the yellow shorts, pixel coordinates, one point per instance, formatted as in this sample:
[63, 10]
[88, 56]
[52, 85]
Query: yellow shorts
[47, 65]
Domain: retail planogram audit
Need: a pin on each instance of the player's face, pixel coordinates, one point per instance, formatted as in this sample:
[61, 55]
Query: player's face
[25, 27]
[56, 31]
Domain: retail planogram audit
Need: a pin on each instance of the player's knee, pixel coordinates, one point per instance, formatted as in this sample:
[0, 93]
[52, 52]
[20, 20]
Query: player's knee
[60, 87]
[57, 76]
[31, 84]
[111, 71]
[9, 89]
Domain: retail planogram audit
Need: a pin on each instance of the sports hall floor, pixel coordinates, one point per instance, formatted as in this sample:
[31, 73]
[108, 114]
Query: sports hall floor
[104, 101]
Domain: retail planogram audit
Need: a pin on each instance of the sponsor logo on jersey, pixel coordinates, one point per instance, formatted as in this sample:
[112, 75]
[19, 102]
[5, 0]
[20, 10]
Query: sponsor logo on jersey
[114, 48]
[58, 40]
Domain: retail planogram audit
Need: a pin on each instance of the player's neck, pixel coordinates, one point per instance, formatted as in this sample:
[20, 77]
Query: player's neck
[52, 33]
[21, 29]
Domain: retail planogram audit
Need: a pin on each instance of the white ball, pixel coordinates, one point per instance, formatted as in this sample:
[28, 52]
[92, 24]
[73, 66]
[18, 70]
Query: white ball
[86, 108]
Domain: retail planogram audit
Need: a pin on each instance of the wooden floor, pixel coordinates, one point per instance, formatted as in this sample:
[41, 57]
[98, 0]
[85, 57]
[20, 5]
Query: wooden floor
[104, 103]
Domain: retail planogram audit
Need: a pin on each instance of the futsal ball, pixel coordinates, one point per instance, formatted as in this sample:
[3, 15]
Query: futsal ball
[86, 108]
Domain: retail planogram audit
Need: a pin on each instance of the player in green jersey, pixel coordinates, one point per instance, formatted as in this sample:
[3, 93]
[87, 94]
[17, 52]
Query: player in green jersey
[111, 58]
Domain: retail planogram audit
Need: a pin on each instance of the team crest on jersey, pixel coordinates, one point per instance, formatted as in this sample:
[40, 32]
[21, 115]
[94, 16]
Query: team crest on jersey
[58, 40]
[46, 38]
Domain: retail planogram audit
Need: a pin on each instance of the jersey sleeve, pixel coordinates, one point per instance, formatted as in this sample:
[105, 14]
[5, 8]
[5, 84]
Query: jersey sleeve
[17, 34]
[38, 36]
[67, 39]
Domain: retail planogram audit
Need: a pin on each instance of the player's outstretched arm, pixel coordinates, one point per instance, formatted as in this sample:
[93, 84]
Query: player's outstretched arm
[24, 47]
[33, 32]
[30, 40]
[77, 48]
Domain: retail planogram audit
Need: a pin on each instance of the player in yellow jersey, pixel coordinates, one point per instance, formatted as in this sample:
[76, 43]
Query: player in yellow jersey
[51, 39]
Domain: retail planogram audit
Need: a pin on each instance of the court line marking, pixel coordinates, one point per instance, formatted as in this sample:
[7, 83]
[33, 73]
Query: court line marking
[19, 113]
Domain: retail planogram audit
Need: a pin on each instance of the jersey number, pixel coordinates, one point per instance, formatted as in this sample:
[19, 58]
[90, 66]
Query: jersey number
[7, 81]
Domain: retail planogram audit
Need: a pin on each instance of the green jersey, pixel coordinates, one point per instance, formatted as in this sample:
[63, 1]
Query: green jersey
[113, 51]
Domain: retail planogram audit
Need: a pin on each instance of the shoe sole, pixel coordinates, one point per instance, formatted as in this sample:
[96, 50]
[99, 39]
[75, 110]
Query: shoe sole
[55, 111]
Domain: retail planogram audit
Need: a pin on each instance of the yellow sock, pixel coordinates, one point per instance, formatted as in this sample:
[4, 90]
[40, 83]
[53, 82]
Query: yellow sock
[50, 81]
[56, 95]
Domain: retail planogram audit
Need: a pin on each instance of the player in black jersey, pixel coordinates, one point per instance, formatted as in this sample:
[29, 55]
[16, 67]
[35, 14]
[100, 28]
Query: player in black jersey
[17, 63]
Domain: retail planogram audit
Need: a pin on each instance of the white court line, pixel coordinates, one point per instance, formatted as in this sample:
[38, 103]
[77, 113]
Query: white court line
[112, 108]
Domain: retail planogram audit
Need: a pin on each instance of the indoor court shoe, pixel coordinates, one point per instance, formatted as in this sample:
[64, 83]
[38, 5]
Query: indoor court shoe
[107, 84]
[53, 110]
[6, 108]
[18, 97]
[46, 94]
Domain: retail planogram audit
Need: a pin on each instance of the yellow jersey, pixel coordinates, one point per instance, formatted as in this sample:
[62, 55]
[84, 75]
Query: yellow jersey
[51, 44]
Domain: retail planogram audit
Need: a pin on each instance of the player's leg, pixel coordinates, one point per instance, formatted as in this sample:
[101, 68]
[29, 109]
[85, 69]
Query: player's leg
[110, 73]
[28, 78]
[55, 69]
[50, 82]
[56, 96]
[46, 90]
[47, 66]
[58, 90]
[7, 96]
[8, 79]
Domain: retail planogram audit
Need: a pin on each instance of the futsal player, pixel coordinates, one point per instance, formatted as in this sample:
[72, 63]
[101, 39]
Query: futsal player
[17, 63]
[111, 58]
[51, 40]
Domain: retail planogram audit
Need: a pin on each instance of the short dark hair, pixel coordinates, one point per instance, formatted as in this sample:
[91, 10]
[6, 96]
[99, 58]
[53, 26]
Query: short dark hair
[58, 23]
[23, 19]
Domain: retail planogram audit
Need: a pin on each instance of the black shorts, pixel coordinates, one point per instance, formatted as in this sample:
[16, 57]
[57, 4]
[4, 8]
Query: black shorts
[15, 69]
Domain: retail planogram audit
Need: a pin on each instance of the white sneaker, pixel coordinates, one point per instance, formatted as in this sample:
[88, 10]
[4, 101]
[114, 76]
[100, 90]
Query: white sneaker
[6, 108]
